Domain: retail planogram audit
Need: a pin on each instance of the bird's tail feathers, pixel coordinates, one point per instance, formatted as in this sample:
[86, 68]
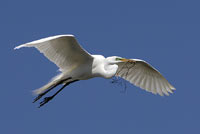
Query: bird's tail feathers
[55, 80]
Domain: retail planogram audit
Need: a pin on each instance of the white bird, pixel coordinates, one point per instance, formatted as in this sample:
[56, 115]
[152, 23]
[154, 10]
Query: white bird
[76, 64]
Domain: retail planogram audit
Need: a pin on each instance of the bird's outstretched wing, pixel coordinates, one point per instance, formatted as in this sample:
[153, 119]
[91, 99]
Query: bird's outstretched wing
[63, 50]
[143, 75]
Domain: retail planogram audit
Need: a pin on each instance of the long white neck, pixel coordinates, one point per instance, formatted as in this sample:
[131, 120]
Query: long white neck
[110, 70]
[102, 68]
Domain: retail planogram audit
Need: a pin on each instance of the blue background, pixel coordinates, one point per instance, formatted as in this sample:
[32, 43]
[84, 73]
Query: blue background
[165, 33]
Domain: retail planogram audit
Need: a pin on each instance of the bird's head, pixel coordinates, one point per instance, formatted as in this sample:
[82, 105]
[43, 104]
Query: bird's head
[116, 59]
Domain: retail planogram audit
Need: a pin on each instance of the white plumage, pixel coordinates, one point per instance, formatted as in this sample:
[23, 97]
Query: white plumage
[144, 76]
[63, 50]
[77, 64]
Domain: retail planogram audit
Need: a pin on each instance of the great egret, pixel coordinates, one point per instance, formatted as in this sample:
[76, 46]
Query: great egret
[76, 64]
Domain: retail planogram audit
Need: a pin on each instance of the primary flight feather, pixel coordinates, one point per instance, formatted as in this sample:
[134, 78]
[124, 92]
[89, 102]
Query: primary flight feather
[76, 64]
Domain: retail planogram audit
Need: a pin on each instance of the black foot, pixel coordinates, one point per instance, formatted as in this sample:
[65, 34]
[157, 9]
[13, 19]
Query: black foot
[46, 100]
[38, 97]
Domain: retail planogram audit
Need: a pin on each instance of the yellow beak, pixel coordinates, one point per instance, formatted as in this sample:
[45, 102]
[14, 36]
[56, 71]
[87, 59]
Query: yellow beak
[126, 60]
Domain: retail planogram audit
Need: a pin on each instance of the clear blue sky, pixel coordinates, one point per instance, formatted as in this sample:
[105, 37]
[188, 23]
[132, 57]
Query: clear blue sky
[164, 33]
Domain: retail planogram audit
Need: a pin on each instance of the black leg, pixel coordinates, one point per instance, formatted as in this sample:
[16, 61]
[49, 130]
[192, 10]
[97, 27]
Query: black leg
[47, 99]
[42, 94]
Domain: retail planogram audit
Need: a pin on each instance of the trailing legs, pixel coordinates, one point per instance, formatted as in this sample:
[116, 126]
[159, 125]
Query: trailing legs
[47, 99]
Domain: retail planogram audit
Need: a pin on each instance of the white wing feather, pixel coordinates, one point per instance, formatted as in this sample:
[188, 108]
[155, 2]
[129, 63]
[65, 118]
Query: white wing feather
[143, 75]
[63, 50]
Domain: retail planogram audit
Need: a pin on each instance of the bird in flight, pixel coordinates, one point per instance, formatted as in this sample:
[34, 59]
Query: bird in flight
[76, 64]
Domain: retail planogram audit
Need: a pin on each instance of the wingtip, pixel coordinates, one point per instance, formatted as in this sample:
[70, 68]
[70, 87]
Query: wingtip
[172, 87]
[18, 47]
[62, 35]
[70, 35]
